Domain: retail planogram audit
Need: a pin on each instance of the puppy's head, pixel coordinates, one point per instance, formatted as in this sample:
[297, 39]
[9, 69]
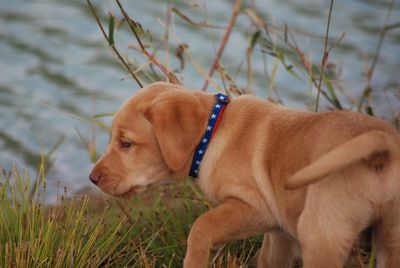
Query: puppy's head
[153, 137]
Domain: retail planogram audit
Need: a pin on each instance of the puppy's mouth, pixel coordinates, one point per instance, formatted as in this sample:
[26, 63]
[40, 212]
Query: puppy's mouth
[113, 186]
[138, 189]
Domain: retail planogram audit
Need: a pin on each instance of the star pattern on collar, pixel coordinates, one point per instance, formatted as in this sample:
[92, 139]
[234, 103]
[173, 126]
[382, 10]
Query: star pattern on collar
[215, 116]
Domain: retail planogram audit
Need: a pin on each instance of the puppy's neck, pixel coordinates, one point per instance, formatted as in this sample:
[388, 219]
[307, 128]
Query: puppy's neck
[221, 101]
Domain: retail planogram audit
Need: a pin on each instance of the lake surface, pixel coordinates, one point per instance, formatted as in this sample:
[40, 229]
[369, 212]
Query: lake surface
[55, 67]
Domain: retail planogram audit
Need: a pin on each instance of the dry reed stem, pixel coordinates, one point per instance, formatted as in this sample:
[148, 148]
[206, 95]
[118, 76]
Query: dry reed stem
[255, 18]
[271, 28]
[168, 21]
[249, 56]
[193, 23]
[112, 45]
[170, 75]
[325, 56]
[224, 41]
[370, 71]
[225, 77]
[307, 65]
[203, 72]
[380, 42]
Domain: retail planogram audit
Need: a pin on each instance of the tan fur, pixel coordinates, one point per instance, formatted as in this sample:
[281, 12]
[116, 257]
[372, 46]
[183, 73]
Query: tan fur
[354, 150]
[311, 182]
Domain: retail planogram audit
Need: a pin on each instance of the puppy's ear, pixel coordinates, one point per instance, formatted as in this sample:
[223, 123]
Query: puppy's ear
[178, 119]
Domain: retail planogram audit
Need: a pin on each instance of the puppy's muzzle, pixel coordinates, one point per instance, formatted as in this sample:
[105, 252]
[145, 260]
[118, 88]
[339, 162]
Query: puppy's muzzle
[95, 177]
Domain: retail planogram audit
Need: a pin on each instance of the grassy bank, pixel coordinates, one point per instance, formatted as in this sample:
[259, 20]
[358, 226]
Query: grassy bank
[147, 231]
[94, 231]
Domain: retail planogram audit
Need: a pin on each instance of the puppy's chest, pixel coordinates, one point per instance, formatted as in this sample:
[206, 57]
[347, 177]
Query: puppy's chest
[208, 189]
[209, 180]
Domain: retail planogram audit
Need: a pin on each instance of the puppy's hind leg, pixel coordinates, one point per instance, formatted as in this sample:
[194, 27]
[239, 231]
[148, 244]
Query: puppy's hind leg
[387, 238]
[277, 251]
[329, 225]
[326, 248]
[319, 250]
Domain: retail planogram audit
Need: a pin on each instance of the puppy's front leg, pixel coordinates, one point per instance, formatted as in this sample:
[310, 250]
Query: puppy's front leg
[231, 220]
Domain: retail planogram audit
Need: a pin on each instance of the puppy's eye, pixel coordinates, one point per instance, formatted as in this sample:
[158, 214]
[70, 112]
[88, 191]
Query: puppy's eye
[126, 144]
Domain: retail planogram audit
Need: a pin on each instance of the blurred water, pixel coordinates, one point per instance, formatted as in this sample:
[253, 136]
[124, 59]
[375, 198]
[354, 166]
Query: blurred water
[54, 64]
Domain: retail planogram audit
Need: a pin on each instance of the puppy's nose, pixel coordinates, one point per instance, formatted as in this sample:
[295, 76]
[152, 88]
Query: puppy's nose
[95, 177]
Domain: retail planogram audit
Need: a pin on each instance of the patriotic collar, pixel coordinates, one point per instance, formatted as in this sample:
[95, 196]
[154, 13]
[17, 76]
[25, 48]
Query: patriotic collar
[213, 121]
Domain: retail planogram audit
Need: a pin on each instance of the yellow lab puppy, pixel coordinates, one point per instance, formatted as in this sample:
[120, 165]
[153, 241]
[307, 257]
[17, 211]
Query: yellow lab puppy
[307, 181]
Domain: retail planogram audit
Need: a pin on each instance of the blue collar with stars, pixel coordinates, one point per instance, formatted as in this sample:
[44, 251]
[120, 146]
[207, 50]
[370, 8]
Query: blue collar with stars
[213, 121]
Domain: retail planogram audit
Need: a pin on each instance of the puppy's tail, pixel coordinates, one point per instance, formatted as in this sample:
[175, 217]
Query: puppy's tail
[340, 157]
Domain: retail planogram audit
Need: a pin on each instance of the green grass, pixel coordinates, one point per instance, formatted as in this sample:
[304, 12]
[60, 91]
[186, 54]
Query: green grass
[65, 235]
[147, 231]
